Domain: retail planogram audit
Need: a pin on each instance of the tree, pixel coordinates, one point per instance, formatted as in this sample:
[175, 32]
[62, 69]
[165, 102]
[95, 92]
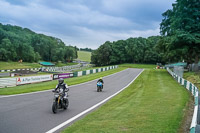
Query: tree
[8, 50]
[94, 57]
[182, 25]
[101, 56]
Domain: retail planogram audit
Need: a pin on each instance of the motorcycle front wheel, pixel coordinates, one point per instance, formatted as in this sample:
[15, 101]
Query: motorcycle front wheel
[54, 107]
[66, 104]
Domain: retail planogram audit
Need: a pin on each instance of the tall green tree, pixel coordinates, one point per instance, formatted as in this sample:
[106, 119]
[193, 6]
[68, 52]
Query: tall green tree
[8, 50]
[101, 56]
[182, 25]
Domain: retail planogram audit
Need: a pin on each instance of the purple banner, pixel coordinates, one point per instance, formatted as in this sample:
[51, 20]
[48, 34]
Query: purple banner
[62, 75]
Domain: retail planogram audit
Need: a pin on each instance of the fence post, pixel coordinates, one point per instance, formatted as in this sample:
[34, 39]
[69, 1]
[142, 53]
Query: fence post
[185, 83]
[190, 87]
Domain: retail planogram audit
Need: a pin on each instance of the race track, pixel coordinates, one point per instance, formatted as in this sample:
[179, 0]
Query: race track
[32, 113]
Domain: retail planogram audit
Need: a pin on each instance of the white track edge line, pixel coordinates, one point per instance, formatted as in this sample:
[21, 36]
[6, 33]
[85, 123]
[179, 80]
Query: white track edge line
[91, 108]
[5, 96]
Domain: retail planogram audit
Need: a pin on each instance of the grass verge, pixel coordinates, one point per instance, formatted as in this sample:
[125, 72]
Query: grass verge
[51, 84]
[84, 56]
[146, 66]
[154, 103]
[60, 64]
[17, 65]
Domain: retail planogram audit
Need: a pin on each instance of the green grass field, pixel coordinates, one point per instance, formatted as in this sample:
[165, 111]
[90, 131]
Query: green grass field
[17, 65]
[151, 66]
[84, 56]
[59, 64]
[154, 103]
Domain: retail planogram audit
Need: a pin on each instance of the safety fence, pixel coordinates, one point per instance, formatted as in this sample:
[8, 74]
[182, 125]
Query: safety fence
[50, 69]
[195, 92]
[13, 70]
[81, 73]
[60, 69]
[10, 82]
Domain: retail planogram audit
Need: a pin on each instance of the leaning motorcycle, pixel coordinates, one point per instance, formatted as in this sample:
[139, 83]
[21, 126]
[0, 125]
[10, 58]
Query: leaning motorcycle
[60, 101]
[99, 86]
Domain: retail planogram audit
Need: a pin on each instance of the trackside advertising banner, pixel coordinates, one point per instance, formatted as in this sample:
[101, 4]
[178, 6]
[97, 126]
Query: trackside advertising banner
[33, 79]
[63, 75]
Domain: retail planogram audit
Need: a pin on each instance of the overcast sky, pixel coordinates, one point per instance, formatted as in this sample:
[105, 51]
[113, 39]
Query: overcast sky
[86, 23]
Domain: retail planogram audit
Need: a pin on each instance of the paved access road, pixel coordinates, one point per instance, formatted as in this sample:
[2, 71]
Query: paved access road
[32, 113]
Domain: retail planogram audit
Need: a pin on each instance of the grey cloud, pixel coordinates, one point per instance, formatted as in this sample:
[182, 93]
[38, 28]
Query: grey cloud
[86, 22]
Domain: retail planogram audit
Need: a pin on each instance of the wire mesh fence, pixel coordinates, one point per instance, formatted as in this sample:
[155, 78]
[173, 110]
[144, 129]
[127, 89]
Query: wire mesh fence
[179, 70]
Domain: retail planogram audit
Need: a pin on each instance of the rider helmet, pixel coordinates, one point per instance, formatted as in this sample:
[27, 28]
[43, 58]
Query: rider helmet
[61, 80]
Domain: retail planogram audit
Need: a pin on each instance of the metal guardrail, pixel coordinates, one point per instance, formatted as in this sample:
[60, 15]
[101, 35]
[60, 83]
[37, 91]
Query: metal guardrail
[195, 127]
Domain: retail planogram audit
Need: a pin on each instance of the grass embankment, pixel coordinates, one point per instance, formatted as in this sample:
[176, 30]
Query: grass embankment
[146, 66]
[17, 65]
[154, 103]
[193, 77]
[84, 56]
[51, 84]
[59, 64]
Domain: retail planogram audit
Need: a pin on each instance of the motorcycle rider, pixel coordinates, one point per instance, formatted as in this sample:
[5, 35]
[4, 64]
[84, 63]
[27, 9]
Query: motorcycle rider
[101, 80]
[62, 85]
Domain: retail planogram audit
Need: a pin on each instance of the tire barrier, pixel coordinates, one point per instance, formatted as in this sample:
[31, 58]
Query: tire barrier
[195, 125]
[13, 70]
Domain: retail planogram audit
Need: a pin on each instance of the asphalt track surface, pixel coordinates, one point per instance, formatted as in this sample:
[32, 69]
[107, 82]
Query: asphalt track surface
[32, 113]
[4, 74]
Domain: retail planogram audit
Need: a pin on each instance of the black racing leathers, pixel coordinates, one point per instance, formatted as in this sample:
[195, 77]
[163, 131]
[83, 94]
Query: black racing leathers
[62, 86]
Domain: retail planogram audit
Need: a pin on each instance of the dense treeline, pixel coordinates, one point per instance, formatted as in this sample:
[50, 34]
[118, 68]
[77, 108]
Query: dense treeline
[86, 49]
[18, 43]
[132, 50]
[179, 40]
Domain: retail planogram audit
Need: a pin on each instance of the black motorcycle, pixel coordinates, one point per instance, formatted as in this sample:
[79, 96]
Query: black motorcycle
[99, 86]
[60, 101]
